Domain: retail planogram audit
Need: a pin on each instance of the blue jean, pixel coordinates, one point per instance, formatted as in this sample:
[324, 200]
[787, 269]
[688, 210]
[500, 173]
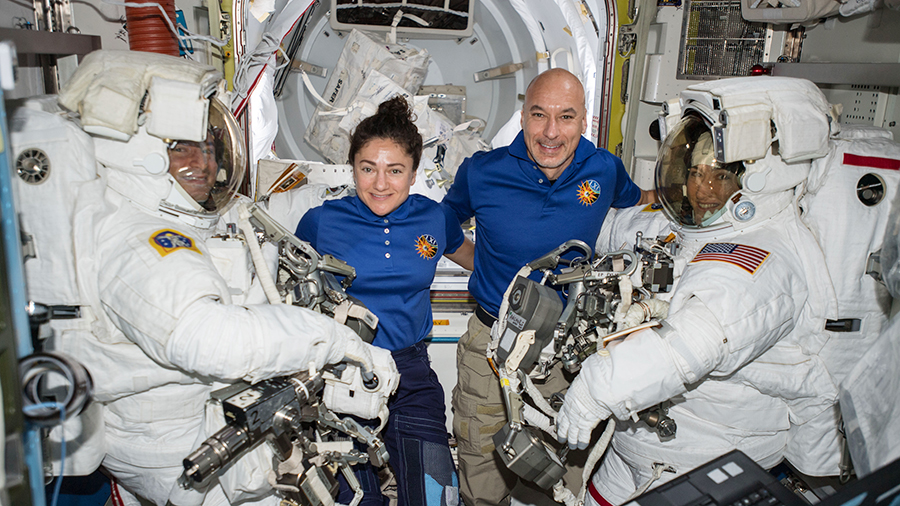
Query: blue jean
[416, 439]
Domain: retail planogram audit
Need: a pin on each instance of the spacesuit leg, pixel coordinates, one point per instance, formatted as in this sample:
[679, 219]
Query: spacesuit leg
[478, 413]
[612, 483]
[151, 484]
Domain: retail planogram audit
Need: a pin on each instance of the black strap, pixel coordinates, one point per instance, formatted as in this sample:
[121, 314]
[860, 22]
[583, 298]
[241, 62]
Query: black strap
[487, 319]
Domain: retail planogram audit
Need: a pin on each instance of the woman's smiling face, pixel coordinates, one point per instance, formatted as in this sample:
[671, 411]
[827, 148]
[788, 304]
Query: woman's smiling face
[384, 174]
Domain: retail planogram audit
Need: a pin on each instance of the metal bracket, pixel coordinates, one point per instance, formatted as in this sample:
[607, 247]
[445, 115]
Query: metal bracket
[500, 71]
[309, 68]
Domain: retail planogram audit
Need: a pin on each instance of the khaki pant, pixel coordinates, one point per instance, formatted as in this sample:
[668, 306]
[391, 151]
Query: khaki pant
[479, 413]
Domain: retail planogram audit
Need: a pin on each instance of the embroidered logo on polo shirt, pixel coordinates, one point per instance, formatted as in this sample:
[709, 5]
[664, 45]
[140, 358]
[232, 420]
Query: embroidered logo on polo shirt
[588, 191]
[167, 241]
[426, 246]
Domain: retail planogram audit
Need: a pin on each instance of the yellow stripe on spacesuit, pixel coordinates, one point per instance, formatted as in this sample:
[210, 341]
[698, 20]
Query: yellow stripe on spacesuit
[167, 241]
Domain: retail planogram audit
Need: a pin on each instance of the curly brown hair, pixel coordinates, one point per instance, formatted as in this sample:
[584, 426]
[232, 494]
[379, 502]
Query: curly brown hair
[393, 121]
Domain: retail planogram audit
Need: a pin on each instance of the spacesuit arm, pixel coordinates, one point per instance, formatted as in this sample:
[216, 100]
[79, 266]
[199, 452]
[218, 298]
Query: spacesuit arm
[257, 342]
[645, 369]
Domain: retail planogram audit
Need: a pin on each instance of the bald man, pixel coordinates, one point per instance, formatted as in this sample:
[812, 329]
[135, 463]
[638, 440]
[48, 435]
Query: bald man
[547, 187]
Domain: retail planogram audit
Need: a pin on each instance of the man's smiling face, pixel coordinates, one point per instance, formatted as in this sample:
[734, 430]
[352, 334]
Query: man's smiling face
[553, 120]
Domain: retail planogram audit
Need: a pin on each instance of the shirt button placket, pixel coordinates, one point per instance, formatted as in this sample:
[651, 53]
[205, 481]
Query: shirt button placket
[387, 242]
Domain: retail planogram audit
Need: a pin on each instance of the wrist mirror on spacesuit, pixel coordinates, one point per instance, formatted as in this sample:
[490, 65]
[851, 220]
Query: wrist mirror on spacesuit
[692, 183]
[208, 172]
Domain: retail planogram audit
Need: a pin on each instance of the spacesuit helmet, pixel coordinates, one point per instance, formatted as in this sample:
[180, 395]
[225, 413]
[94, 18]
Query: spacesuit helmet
[692, 185]
[209, 171]
[144, 111]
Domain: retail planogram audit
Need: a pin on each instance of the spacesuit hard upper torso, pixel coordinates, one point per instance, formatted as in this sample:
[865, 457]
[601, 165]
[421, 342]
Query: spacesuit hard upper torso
[761, 375]
[149, 270]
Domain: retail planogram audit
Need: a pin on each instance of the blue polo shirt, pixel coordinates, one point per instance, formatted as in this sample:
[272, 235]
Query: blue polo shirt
[520, 215]
[395, 257]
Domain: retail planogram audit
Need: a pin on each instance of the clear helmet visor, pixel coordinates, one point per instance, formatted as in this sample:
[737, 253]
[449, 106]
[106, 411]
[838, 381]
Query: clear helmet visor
[210, 171]
[691, 184]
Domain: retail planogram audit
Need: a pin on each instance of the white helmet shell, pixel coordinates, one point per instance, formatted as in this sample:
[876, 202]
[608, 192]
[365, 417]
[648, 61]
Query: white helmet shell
[745, 139]
[163, 108]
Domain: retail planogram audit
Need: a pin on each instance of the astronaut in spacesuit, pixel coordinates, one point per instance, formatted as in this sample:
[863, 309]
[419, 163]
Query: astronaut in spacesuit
[177, 304]
[736, 356]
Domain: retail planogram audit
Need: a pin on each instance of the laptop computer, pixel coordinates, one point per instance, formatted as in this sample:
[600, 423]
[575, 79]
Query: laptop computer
[736, 480]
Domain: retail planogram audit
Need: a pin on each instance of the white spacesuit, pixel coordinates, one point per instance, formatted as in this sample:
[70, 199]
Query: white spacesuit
[176, 306]
[870, 395]
[736, 356]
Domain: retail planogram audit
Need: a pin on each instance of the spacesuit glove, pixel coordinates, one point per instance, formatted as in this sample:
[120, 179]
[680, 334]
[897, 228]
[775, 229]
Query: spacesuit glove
[579, 414]
[385, 370]
[348, 347]
[352, 394]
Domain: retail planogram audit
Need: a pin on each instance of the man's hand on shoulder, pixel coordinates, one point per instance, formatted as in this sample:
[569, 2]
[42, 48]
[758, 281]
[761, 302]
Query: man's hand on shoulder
[648, 197]
[464, 256]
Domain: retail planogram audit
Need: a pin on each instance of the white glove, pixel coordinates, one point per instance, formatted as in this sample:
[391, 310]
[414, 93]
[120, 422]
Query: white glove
[386, 371]
[350, 348]
[348, 395]
[579, 414]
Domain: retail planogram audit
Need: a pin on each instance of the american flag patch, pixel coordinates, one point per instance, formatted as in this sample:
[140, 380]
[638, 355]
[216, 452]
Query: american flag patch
[746, 257]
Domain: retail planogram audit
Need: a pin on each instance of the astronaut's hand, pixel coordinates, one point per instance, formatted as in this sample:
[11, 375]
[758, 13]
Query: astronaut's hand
[385, 370]
[579, 414]
[350, 348]
[353, 393]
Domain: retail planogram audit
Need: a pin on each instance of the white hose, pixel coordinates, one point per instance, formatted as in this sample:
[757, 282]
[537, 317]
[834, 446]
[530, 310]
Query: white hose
[658, 469]
[534, 29]
[596, 453]
[262, 270]
[585, 55]
[538, 398]
[563, 495]
[538, 419]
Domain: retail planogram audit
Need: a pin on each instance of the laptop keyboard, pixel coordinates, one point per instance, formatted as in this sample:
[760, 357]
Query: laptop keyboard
[760, 497]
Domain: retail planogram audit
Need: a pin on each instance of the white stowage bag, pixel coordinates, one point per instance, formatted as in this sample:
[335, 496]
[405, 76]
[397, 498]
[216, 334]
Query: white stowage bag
[465, 141]
[404, 65]
[447, 144]
[807, 12]
[287, 208]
